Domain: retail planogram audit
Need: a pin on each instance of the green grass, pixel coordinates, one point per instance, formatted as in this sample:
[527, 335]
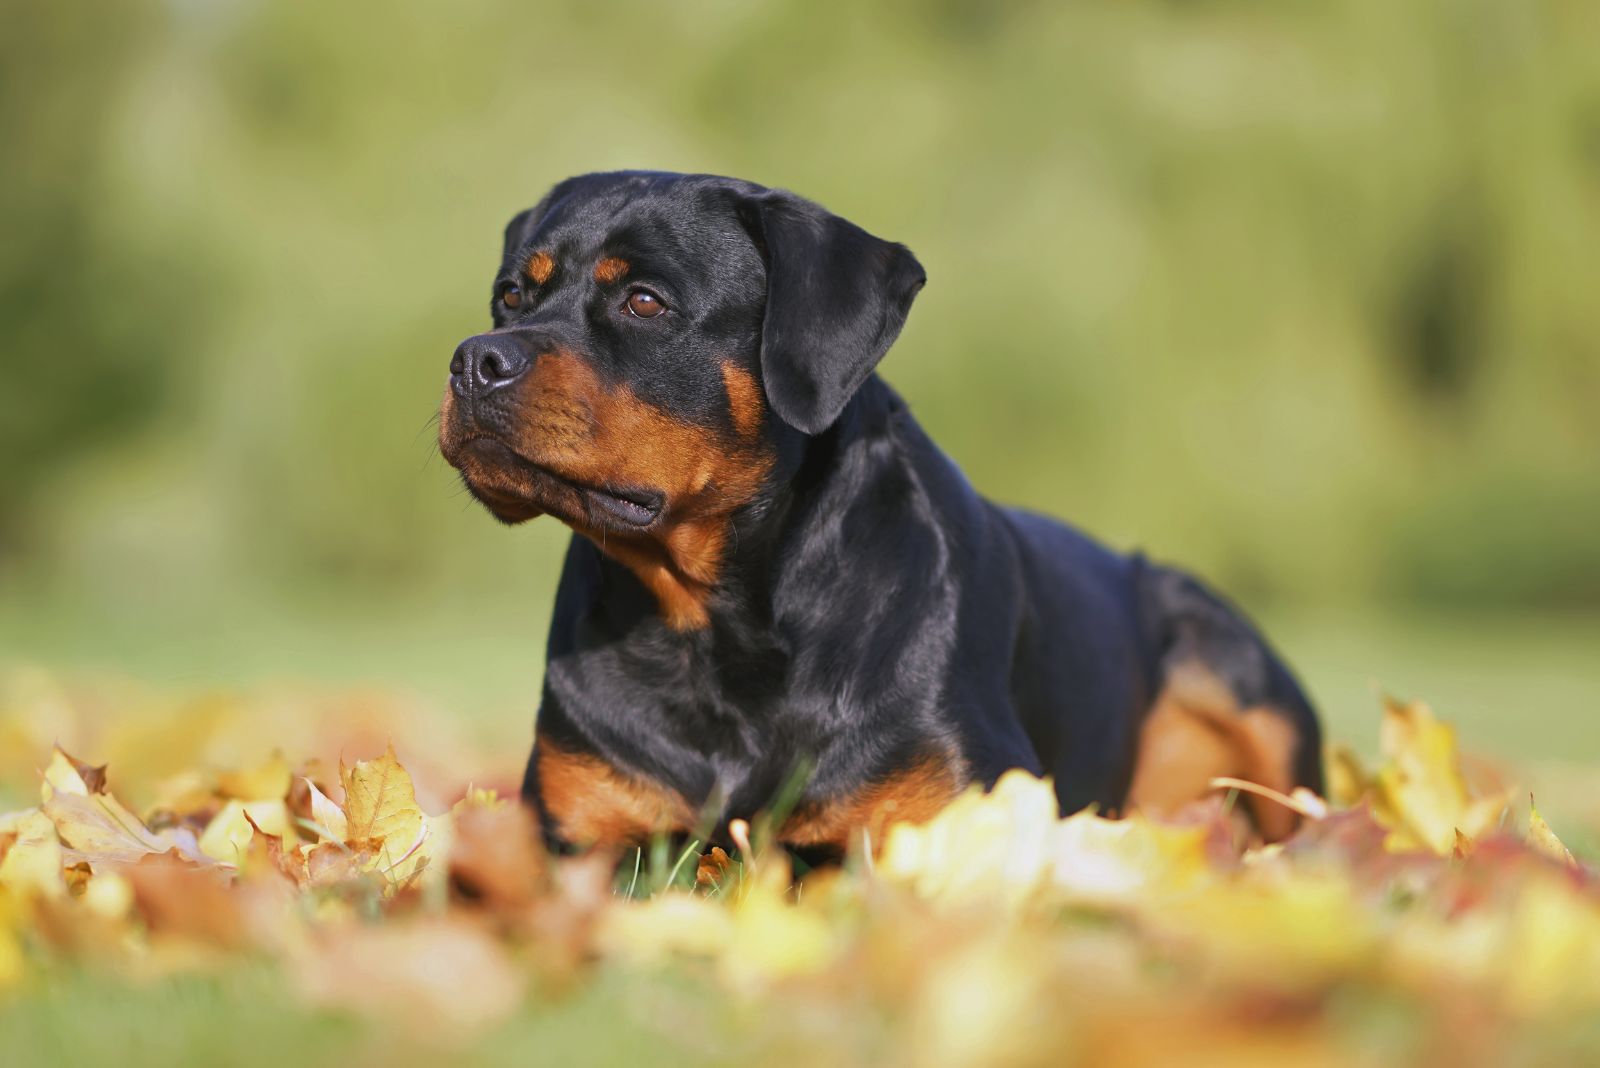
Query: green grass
[248, 1016]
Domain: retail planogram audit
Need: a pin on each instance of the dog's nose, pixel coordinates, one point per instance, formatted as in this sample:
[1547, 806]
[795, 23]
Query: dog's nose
[485, 363]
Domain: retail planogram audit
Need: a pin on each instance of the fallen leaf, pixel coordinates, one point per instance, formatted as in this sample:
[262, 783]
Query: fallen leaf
[327, 817]
[66, 772]
[227, 837]
[380, 807]
[176, 898]
[99, 829]
[434, 978]
[496, 858]
[1420, 791]
[268, 781]
[1542, 838]
[30, 857]
[713, 869]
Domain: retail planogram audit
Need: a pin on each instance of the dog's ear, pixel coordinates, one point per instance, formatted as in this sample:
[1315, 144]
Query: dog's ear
[519, 231]
[836, 299]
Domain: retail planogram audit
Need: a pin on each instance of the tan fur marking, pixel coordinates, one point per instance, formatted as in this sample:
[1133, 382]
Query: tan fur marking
[593, 804]
[1195, 732]
[610, 269]
[744, 399]
[541, 265]
[915, 796]
[573, 425]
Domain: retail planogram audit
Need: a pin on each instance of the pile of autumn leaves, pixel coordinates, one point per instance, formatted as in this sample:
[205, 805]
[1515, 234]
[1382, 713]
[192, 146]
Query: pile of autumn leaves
[999, 933]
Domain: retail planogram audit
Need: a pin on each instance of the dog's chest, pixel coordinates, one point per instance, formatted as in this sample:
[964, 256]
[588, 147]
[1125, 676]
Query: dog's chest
[714, 740]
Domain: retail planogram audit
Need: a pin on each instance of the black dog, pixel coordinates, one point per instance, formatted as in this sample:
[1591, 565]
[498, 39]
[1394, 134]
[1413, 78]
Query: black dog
[777, 565]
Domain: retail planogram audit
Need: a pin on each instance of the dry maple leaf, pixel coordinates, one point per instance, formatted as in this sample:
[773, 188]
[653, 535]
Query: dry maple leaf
[228, 836]
[100, 830]
[496, 859]
[380, 807]
[1420, 791]
[326, 817]
[30, 856]
[68, 772]
[177, 899]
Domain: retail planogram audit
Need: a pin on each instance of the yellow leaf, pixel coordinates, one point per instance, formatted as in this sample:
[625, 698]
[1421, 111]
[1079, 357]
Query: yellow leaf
[328, 816]
[109, 896]
[266, 781]
[1297, 927]
[1553, 949]
[1420, 793]
[98, 827]
[1542, 838]
[982, 845]
[31, 863]
[380, 806]
[1348, 781]
[12, 962]
[67, 774]
[665, 926]
[773, 937]
[480, 797]
[1112, 861]
[227, 836]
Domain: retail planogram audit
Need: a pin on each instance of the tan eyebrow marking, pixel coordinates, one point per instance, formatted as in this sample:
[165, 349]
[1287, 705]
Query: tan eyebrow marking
[744, 399]
[610, 269]
[541, 265]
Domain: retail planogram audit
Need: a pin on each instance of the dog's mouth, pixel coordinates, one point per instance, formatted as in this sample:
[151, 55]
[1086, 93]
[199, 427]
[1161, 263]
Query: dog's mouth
[515, 489]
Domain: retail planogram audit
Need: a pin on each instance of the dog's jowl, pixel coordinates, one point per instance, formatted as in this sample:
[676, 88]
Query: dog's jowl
[775, 573]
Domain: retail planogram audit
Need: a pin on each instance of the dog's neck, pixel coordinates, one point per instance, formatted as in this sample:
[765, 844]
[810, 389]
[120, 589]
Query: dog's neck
[739, 599]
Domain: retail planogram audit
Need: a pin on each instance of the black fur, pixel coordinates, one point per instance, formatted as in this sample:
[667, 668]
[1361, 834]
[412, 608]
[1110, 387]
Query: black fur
[871, 607]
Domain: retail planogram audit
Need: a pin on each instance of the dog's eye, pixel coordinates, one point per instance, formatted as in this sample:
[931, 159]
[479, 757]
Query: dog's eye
[511, 295]
[643, 304]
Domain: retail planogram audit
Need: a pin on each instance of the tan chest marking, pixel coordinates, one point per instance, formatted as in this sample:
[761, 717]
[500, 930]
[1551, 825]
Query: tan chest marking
[596, 435]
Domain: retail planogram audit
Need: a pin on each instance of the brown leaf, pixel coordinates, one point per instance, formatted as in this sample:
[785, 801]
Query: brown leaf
[92, 777]
[176, 898]
[712, 871]
[496, 858]
[330, 863]
[432, 976]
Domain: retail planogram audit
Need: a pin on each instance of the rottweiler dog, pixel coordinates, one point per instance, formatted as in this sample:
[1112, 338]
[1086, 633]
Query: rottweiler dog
[774, 567]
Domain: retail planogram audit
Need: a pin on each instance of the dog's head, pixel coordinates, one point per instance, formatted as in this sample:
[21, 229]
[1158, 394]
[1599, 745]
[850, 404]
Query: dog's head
[655, 336]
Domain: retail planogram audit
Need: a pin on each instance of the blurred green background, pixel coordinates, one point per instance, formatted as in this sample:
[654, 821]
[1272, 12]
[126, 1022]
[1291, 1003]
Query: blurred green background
[1301, 295]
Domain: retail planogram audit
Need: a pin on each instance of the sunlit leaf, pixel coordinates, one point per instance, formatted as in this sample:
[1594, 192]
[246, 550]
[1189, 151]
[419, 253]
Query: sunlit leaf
[227, 837]
[380, 808]
[1420, 791]
[1542, 838]
[268, 781]
[327, 816]
[30, 856]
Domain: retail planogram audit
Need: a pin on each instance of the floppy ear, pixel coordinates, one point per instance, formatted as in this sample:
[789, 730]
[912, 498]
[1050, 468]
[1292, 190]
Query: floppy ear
[523, 223]
[836, 299]
[517, 229]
